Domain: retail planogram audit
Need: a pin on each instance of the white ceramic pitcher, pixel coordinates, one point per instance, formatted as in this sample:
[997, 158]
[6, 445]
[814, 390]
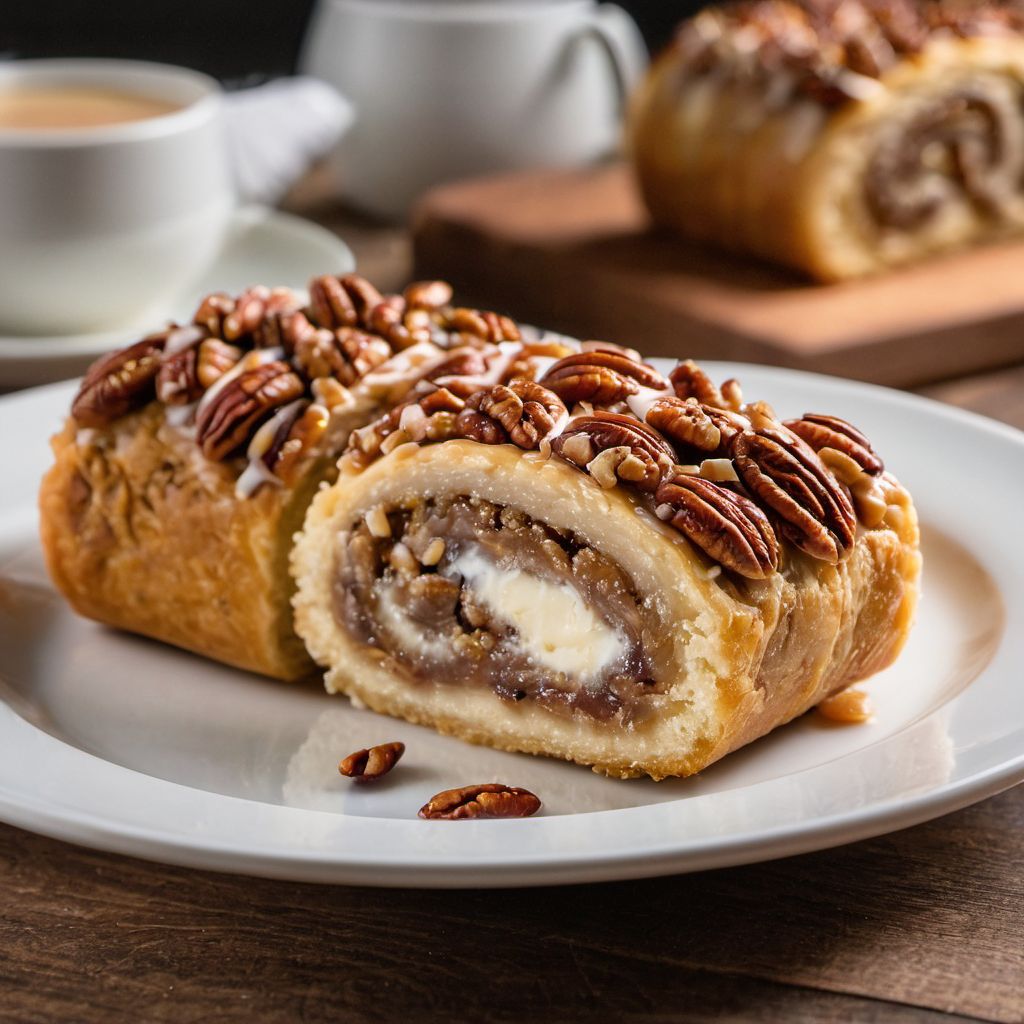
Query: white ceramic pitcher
[445, 89]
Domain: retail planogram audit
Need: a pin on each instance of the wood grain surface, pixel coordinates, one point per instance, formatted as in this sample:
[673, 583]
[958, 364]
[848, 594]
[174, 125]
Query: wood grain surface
[924, 925]
[573, 250]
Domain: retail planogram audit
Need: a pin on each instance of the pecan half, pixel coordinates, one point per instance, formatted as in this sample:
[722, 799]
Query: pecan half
[428, 295]
[685, 422]
[783, 472]
[587, 436]
[430, 418]
[177, 380]
[225, 422]
[526, 411]
[119, 382]
[821, 431]
[344, 301]
[215, 358]
[283, 329]
[234, 319]
[371, 763]
[489, 800]
[296, 440]
[345, 353]
[690, 381]
[473, 326]
[728, 527]
[465, 362]
[399, 324]
[600, 376]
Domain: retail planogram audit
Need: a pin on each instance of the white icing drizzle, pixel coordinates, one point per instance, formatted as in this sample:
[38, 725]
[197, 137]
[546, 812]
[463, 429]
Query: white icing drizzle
[497, 367]
[406, 366]
[249, 361]
[256, 472]
[640, 403]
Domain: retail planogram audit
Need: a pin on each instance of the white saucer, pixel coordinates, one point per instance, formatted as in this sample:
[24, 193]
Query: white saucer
[264, 246]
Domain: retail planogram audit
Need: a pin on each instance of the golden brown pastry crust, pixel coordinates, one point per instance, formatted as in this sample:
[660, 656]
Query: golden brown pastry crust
[763, 152]
[747, 656]
[143, 533]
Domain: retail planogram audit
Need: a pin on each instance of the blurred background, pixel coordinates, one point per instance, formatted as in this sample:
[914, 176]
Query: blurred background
[235, 40]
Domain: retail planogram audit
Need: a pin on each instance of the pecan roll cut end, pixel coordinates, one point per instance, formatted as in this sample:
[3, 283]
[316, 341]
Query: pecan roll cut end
[490, 800]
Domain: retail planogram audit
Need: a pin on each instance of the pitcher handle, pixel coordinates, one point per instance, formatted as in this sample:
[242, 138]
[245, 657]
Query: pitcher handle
[620, 38]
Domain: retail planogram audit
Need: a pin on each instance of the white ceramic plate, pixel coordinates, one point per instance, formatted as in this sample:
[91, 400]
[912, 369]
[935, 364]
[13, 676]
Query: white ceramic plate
[116, 742]
[263, 246]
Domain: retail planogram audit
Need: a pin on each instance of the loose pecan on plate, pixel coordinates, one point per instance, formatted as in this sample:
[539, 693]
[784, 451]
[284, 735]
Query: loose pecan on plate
[226, 420]
[119, 382]
[489, 800]
[372, 762]
[728, 527]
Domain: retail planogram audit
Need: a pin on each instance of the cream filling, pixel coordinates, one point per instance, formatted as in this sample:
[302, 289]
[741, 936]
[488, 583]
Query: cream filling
[556, 627]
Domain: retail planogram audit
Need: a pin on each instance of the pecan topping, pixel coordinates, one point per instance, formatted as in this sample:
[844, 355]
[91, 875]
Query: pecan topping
[728, 527]
[431, 418]
[480, 325]
[690, 381]
[373, 762]
[587, 436]
[428, 295]
[225, 422]
[344, 301]
[346, 353]
[813, 509]
[119, 382]
[177, 380]
[526, 411]
[490, 800]
[685, 422]
[821, 431]
[235, 318]
[296, 440]
[464, 362]
[215, 358]
[600, 376]
[402, 326]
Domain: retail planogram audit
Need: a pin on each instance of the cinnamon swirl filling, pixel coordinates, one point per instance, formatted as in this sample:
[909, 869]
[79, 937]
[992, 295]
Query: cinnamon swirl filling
[472, 594]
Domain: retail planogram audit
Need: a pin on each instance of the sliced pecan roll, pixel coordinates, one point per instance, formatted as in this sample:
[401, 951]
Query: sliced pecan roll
[587, 436]
[344, 301]
[728, 527]
[783, 472]
[345, 353]
[685, 422]
[525, 411]
[490, 800]
[224, 422]
[119, 382]
[690, 381]
[177, 380]
[601, 377]
[821, 431]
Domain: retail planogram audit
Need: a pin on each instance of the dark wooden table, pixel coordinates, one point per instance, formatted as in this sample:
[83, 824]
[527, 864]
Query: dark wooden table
[922, 925]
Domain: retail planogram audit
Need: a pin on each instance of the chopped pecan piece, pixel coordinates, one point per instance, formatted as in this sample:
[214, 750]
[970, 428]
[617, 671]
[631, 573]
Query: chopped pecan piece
[430, 418]
[526, 412]
[849, 707]
[226, 420]
[177, 380]
[821, 431]
[119, 382]
[344, 301]
[600, 376]
[686, 423]
[371, 763]
[690, 381]
[784, 473]
[489, 800]
[587, 436]
[728, 527]
[346, 353]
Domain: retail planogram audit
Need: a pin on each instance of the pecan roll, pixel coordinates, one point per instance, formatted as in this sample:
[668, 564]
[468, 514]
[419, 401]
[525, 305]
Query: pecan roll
[821, 431]
[119, 382]
[725, 525]
[587, 436]
[225, 421]
[524, 411]
[490, 800]
[813, 509]
[344, 301]
[346, 353]
[600, 376]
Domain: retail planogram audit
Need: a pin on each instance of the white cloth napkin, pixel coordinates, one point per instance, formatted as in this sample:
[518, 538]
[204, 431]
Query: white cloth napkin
[276, 131]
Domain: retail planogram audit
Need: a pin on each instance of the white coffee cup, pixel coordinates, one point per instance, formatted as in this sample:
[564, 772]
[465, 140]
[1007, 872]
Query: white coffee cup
[100, 226]
[445, 89]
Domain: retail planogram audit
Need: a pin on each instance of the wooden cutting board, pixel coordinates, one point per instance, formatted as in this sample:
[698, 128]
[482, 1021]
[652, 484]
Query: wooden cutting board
[573, 251]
